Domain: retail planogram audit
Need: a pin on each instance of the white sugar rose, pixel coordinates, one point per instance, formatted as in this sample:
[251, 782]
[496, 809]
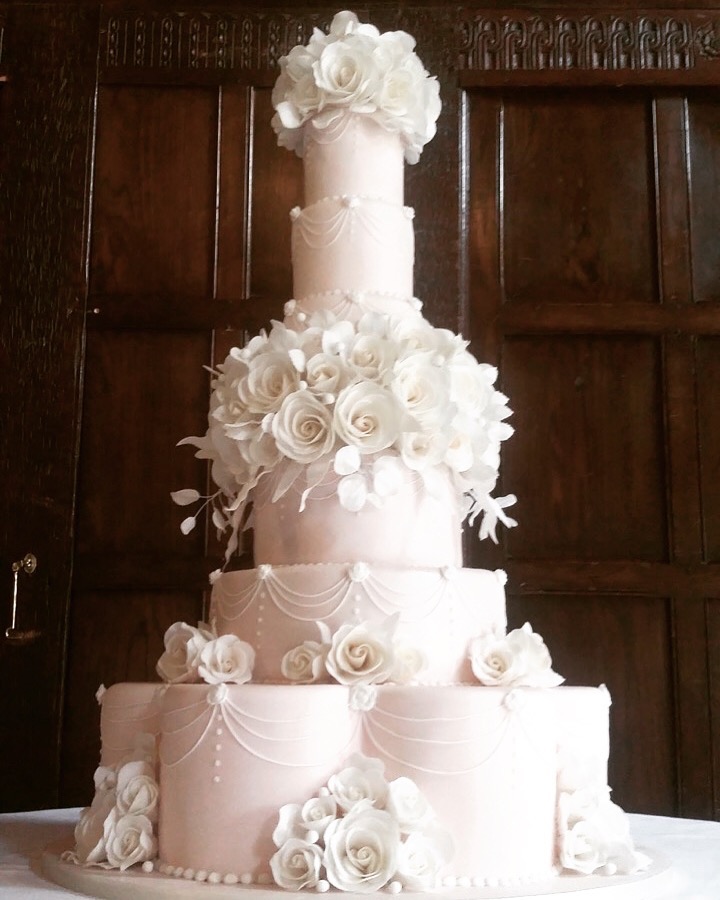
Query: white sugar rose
[347, 75]
[305, 664]
[410, 807]
[302, 427]
[270, 378]
[366, 416]
[409, 663]
[363, 697]
[317, 813]
[327, 374]
[90, 829]
[362, 780]
[361, 654]
[372, 357]
[128, 840]
[137, 790]
[595, 835]
[296, 865]
[421, 858]
[519, 658]
[361, 850]
[421, 450]
[227, 658]
[183, 645]
[422, 389]
[104, 779]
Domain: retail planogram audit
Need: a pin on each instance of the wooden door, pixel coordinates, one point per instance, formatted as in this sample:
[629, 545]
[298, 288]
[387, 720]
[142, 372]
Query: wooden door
[46, 89]
[593, 255]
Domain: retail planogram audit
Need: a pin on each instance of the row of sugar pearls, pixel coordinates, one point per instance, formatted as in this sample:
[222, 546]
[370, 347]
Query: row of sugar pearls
[202, 875]
[491, 881]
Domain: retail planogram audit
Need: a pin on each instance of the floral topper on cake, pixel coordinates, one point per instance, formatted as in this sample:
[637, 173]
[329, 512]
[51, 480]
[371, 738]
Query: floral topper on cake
[356, 69]
[374, 403]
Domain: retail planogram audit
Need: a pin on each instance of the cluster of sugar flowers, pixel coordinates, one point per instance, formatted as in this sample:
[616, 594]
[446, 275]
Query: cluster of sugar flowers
[198, 654]
[517, 659]
[359, 834]
[595, 835]
[118, 829]
[356, 69]
[357, 654]
[369, 404]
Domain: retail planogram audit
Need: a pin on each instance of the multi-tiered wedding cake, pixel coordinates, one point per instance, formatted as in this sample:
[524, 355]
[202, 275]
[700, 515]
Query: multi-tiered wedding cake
[355, 716]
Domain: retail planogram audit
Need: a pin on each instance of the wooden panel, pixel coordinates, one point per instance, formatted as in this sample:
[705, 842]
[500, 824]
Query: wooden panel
[137, 623]
[154, 194]
[48, 54]
[234, 163]
[586, 461]
[708, 400]
[276, 188]
[624, 642]
[713, 628]
[704, 128]
[571, 203]
[144, 392]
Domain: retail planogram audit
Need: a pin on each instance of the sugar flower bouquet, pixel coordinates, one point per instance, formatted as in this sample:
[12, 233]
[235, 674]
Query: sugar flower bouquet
[359, 834]
[363, 404]
[355, 69]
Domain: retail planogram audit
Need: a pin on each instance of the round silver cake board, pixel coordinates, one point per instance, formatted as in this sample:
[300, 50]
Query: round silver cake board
[112, 885]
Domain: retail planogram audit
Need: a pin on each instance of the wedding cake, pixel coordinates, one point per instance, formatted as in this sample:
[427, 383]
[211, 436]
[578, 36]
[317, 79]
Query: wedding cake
[354, 716]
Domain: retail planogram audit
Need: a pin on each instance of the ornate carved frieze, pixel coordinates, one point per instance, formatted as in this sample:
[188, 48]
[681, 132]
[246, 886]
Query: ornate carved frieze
[529, 41]
[201, 41]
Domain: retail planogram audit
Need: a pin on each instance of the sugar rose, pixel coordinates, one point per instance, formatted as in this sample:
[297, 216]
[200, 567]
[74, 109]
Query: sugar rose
[304, 664]
[360, 782]
[518, 658]
[361, 850]
[129, 839]
[296, 865]
[361, 654]
[183, 645]
[226, 659]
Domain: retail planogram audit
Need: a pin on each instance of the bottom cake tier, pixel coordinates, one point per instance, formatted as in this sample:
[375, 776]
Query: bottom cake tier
[493, 764]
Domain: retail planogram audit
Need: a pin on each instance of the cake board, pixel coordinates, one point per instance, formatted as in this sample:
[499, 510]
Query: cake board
[652, 884]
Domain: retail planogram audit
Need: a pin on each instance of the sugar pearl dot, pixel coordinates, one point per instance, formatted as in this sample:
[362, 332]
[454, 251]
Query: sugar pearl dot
[177, 871]
[230, 878]
[246, 878]
[148, 866]
[312, 836]
[218, 731]
[218, 747]
[301, 317]
[324, 792]
[216, 779]
[463, 881]
[492, 882]
[394, 887]
[478, 881]
[201, 875]
[188, 874]
[217, 763]
[449, 881]
[214, 878]
[322, 886]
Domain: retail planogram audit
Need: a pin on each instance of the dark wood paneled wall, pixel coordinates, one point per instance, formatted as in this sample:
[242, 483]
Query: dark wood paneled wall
[565, 222]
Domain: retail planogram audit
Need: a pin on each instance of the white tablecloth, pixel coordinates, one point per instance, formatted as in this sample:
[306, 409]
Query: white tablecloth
[692, 846]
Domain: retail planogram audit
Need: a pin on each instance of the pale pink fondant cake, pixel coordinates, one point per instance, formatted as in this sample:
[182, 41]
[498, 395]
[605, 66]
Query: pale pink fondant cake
[355, 717]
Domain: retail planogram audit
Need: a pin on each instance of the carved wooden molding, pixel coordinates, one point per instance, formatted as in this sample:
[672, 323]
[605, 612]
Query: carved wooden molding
[531, 42]
[201, 41]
